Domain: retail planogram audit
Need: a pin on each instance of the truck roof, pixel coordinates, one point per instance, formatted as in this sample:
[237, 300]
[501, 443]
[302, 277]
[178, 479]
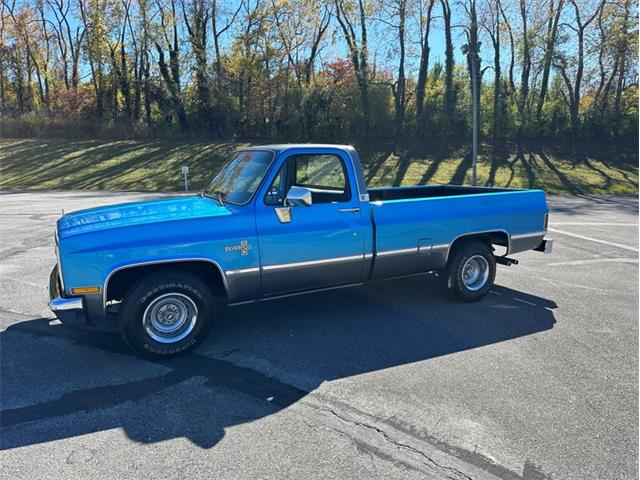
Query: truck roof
[280, 147]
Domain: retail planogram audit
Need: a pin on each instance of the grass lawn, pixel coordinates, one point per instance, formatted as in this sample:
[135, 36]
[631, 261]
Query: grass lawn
[155, 166]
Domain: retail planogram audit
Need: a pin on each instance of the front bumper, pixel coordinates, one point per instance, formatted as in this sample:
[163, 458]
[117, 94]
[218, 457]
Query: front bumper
[67, 309]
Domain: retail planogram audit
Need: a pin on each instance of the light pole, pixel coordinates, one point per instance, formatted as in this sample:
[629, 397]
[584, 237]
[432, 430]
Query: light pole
[474, 100]
[471, 50]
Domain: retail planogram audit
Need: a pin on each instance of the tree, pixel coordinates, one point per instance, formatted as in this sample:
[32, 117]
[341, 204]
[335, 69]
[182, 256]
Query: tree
[350, 15]
[574, 86]
[301, 26]
[196, 19]
[492, 25]
[425, 10]
[395, 16]
[523, 96]
[171, 72]
[449, 63]
[553, 17]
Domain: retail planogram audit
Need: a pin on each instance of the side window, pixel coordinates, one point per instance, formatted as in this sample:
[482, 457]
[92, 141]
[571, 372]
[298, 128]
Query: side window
[320, 171]
[324, 175]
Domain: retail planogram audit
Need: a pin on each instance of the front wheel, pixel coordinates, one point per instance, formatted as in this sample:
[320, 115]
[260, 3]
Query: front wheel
[166, 313]
[471, 271]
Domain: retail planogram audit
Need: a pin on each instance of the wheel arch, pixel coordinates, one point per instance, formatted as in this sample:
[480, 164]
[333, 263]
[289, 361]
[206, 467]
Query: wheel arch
[120, 279]
[490, 237]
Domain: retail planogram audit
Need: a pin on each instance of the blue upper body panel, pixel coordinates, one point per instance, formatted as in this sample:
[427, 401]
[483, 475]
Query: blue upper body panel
[96, 242]
[401, 223]
[138, 213]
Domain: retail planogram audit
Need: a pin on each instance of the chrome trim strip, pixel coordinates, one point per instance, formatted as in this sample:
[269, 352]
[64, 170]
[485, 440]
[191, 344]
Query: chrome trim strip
[440, 246]
[520, 236]
[295, 294]
[242, 271]
[105, 288]
[312, 262]
[397, 252]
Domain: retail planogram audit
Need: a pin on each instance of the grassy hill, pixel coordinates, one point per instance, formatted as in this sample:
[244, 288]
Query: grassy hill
[155, 165]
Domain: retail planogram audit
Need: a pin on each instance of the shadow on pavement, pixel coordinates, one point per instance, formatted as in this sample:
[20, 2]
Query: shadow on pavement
[580, 205]
[306, 340]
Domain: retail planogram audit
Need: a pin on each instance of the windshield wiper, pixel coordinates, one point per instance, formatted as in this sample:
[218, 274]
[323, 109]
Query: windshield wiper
[216, 195]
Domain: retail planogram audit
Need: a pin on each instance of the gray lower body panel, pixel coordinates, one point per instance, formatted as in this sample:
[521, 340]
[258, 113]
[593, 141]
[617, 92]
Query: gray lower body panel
[295, 277]
[522, 243]
[407, 262]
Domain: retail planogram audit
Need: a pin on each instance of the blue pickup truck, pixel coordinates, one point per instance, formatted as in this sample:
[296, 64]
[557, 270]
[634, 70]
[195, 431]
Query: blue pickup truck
[279, 220]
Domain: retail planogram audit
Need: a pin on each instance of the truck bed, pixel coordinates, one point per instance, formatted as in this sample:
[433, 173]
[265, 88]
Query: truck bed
[414, 227]
[403, 193]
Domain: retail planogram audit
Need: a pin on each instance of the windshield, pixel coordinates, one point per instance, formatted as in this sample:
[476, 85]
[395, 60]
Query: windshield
[239, 177]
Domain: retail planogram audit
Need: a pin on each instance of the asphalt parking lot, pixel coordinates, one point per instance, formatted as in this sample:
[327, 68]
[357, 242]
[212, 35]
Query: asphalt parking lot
[539, 380]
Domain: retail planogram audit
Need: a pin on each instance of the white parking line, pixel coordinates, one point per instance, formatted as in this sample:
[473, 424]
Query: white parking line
[597, 224]
[594, 260]
[596, 240]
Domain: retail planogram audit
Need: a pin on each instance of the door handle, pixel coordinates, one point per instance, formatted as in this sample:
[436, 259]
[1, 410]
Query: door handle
[353, 210]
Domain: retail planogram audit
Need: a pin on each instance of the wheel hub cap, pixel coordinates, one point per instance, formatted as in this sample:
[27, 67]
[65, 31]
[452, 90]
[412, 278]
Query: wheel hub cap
[170, 317]
[475, 272]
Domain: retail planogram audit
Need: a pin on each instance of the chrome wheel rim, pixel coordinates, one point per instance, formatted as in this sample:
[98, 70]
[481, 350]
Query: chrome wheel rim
[170, 317]
[475, 272]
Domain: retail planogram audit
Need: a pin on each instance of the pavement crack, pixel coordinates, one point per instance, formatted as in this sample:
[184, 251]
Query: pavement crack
[428, 460]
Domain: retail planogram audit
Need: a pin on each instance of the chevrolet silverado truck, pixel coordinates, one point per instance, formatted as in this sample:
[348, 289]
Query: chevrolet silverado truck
[279, 220]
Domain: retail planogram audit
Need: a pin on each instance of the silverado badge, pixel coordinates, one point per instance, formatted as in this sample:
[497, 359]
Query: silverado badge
[244, 247]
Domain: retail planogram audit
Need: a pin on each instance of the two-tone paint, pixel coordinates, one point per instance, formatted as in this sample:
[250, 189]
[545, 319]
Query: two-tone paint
[259, 257]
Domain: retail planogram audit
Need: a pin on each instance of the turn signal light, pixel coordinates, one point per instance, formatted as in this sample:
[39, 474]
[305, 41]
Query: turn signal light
[84, 290]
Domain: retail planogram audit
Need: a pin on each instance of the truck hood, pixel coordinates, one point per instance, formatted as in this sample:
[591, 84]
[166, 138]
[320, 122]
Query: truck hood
[138, 213]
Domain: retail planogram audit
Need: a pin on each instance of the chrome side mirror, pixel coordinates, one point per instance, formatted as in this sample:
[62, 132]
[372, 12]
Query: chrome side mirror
[299, 196]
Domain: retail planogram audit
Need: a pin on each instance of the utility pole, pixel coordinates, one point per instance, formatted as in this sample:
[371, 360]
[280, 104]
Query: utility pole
[474, 100]
[472, 49]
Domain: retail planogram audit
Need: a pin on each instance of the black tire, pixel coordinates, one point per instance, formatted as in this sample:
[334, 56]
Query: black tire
[451, 277]
[148, 291]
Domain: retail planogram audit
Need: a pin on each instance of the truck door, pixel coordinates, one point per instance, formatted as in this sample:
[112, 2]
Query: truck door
[315, 246]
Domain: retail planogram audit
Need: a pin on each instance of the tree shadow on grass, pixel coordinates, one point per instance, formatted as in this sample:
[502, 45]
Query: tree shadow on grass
[42, 165]
[568, 185]
[373, 166]
[499, 158]
[77, 164]
[461, 171]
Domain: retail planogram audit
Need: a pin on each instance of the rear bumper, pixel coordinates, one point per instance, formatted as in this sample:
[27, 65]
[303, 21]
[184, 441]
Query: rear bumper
[546, 246]
[67, 309]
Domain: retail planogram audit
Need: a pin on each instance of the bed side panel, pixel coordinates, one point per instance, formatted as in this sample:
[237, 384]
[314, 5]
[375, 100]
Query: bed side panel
[414, 235]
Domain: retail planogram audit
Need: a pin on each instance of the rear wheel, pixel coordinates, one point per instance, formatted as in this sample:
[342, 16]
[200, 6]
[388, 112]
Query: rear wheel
[471, 271]
[166, 313]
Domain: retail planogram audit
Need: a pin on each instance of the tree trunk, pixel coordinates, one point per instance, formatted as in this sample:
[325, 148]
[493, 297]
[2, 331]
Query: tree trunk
[423, 70]
[449, 64]
[400, 86]
[552, 31]
[523, 97]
